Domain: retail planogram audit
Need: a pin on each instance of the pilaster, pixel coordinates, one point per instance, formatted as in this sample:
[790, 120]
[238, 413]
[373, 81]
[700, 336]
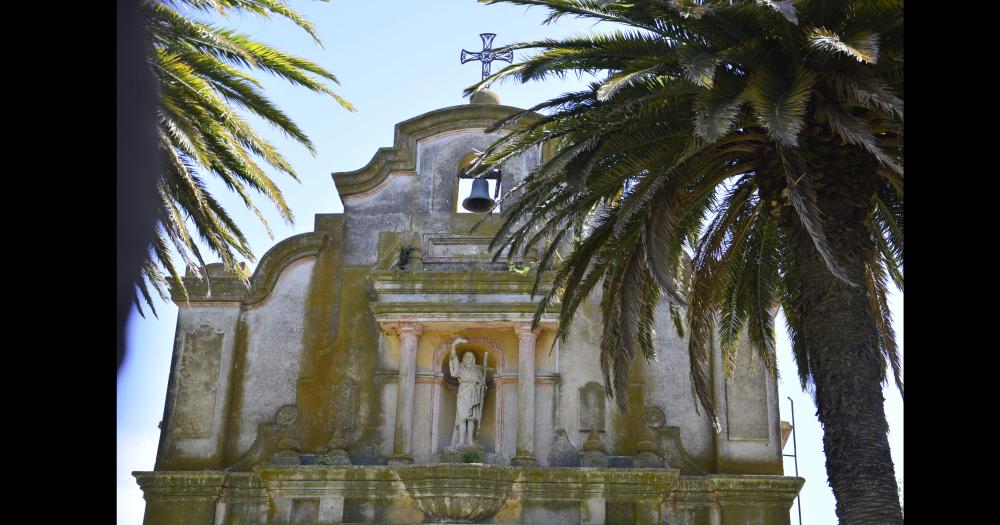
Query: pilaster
[409, 334]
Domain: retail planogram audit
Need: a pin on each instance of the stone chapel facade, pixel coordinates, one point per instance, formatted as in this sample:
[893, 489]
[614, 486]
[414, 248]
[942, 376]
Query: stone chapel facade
[322, 393]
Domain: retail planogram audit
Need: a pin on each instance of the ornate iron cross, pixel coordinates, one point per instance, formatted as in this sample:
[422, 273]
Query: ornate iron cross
[487, 55]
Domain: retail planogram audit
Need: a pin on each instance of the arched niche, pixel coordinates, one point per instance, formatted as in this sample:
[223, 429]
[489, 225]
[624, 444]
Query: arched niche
[463, 162]
[445, 390]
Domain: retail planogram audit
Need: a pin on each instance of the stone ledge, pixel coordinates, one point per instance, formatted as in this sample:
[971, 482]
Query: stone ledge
[436, 311]
[492, 482]
[457, 281]
[737, 489]
[179, 485]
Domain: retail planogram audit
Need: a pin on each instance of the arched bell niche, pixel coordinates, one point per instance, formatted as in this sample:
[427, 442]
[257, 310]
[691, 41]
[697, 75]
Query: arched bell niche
[445, 391]
[463, 188]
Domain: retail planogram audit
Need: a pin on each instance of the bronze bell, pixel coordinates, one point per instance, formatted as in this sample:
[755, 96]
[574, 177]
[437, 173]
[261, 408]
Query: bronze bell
[479, 200]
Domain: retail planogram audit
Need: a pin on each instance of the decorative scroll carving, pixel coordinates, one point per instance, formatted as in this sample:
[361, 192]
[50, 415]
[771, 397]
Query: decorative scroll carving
[287, 454]
[275, 442]
[562, 453]
[673, 453]
[654, 417]
[286, 415]
[668, 443]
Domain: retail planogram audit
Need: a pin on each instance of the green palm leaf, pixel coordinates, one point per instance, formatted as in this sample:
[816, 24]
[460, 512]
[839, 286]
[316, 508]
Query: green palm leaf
[736, 158]
[204, 75]
[863, 47]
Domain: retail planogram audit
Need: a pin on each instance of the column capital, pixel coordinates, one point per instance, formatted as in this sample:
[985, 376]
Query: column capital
[524, 330]
[409, 329]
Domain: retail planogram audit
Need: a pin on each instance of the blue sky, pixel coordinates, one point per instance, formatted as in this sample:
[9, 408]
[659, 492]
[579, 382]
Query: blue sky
[397, 59]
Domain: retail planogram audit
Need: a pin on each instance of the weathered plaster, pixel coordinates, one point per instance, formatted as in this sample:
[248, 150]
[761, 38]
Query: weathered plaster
[315, 334]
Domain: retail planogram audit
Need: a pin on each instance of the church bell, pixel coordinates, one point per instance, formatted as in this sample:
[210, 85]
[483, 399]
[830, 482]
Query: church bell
[479, 200]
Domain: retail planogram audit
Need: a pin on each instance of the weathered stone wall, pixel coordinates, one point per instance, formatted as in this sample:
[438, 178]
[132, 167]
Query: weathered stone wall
[669, 380]
[201, 372]
[579, 365]
[273, 354]
[306, 361]
[750, 440]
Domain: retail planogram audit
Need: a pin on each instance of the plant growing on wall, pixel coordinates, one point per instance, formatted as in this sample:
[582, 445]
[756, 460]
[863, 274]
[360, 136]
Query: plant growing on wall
[404, 257]
[472, 456]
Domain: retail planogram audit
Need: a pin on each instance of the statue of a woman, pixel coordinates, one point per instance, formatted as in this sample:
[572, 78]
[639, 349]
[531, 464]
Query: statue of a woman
[471, 391]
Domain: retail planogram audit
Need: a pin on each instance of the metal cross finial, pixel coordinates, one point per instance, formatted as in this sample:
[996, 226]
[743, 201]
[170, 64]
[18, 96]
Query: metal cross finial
[487, 55]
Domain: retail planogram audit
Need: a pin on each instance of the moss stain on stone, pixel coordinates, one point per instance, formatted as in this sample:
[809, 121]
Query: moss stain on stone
[356, 350]
[630, 427]
[337, 297]
[318, 331]
[237, 390]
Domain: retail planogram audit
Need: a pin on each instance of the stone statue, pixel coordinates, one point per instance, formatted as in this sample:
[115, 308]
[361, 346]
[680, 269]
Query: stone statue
[471, 392]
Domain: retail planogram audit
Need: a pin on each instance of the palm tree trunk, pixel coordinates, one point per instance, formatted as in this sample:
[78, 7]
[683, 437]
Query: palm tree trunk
[840, 335]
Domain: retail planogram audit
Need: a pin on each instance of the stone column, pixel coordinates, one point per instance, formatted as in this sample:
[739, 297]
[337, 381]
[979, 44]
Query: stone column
[402, 450]
[714, 509]
[592, 511]
[525, 455]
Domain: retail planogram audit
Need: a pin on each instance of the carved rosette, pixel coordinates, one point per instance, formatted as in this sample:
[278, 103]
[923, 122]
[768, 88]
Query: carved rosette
[458, 493]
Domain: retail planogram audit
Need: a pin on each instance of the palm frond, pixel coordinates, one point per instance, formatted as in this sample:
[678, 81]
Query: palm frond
[878, 305]
[204, 78]
[781, 106]
[712, 133]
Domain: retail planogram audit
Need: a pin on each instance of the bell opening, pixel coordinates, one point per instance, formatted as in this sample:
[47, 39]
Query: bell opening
[480, 202]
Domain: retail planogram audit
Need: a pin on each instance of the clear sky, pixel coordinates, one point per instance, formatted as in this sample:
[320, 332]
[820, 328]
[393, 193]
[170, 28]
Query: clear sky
[397, 59]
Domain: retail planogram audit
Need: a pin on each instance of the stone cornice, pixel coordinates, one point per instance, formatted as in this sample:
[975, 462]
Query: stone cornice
[272, 264]
[388, 314]
[223, 289]
[733, 489]
[401, 157]
[535, 484]
[428, 297]
[179, 485]
[756, 490]
[531, 483]
[457, 282]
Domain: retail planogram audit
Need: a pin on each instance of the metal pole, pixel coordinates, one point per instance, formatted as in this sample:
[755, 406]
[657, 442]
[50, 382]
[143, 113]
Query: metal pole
[795, 455]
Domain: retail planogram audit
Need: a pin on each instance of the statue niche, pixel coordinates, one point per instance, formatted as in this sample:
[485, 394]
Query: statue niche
[467, 409]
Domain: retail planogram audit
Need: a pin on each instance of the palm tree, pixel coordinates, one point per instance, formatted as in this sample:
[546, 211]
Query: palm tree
[201, 72]
[736, 156]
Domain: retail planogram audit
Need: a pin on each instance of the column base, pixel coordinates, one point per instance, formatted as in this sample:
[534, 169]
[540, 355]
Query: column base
[399, 460]
[523, 460]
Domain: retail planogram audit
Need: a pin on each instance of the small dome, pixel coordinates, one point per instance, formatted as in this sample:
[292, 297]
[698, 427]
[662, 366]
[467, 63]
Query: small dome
[485, 96]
